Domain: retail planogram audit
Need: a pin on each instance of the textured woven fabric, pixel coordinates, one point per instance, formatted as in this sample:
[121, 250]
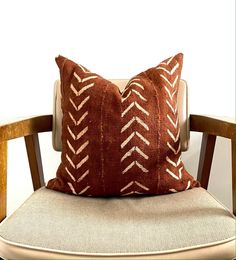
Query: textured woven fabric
[182, 100]
[57, 222]
[121, 143]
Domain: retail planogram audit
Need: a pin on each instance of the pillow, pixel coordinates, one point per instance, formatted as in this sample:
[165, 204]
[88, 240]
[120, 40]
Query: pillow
[119, 144]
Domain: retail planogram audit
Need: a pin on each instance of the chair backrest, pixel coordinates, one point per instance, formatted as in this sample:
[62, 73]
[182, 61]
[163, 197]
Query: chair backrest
[182, 100]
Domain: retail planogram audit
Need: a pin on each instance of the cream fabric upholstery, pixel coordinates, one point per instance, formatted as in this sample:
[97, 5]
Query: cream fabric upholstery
[182, 110]
[184, 225]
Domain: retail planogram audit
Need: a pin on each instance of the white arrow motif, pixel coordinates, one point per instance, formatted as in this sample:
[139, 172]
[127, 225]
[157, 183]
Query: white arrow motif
[77, 77]
[80, 120]
[88, 78]
[172, 122]
[80, 149]
[174, 110]
[170, 59]
[173, 149]
[134, 149]
[169, 94]
[81, 133]
[172, 174]
[175, 139]
[134, 119]
[167, 71]
[137, 183]
[175, 80]
[132, 164]
[131, 136]
[77, 108]
[172, 162]
[136, 104]
[135, 92]
[81, 91]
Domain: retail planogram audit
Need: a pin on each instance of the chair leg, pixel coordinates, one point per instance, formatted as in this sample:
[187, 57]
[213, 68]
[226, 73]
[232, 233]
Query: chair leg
[3, 180]
[233, 142]
[35, 161]
[205, 161]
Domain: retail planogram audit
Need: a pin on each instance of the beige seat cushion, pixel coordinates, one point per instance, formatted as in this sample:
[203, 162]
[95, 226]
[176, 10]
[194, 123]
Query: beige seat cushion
[182, 99]
[185, 225]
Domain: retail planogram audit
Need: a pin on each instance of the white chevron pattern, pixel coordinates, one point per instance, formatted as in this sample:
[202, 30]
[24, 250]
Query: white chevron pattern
[77, 108]
[167, 71]
[84, 79]
[134, 149]
[172, 116]
[80, 120]
[171, 95]
[136, 104]
[143, 169]
[173, 149]
[77, 166]
[175, 124]
[80, 149]
[134, 83]
[81, 133]
[78, 145]
[173, 109]
[134, 87]
[82, 90]
[134, 119]
[172, 162]
[73, 189]
[171, 84]
[174, 138]
[135, 92]
[128, 139]
[134, 182]
[173, 175]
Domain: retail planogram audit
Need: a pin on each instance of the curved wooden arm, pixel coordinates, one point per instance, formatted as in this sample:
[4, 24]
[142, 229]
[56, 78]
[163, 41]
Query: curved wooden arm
[211, 128]
[29, 129]
[25, 127]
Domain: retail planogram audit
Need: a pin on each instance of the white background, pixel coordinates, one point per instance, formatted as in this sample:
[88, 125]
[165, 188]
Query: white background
[116, 39]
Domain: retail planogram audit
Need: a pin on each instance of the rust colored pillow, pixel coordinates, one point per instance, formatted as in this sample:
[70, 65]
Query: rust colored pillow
[120, 143]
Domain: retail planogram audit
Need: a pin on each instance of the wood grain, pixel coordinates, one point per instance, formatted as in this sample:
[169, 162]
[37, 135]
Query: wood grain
[35, 161]
[3, 180]
[213, 126]
[205, 161]
[25, 127]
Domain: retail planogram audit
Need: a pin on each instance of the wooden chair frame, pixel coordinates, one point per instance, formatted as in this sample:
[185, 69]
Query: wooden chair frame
[30, 127]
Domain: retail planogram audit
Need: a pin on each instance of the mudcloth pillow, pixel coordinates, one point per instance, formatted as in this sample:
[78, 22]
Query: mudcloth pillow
[117, 143]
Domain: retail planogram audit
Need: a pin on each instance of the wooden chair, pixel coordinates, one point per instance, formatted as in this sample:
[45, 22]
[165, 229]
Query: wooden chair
[202, 208]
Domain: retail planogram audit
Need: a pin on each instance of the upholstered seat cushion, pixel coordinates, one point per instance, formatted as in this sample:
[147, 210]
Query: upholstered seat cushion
[53, 225]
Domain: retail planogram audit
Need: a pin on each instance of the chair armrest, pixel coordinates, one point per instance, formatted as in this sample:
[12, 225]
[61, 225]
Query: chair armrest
[211, 128]
[218, 126]
[25, 127]
[29, 129]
